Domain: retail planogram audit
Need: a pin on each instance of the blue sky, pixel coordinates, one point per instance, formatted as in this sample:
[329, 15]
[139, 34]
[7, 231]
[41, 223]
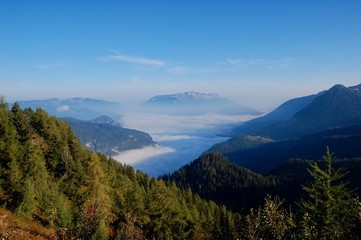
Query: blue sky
[257, 53]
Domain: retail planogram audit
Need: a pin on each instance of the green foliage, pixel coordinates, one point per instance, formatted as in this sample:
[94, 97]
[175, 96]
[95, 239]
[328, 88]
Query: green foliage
[213, 177]
[332, 207]
[268, 222]
[47, 175]
[29, 203]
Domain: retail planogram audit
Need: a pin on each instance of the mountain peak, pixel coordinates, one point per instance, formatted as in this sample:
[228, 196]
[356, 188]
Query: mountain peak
[199, 95]
[192, 102]
[336, 88]
[190, 97]
[104, 119]
[338, 106]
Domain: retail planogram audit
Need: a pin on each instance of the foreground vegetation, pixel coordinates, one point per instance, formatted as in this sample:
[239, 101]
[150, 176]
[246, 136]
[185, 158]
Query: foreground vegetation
[46, 175]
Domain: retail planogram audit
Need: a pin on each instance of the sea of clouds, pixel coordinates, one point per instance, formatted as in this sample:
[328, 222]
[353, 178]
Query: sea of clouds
[180, 139]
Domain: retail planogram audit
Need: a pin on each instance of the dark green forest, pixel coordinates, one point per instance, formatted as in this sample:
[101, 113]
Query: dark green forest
[46, 175]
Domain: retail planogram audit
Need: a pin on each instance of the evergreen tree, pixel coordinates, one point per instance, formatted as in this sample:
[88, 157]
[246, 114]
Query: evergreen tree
[96, 210]
[330, 210]
[29, 203]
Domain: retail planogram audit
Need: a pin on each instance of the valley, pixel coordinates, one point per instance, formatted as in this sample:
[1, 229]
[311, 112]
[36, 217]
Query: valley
[180, 155]
[180, 120]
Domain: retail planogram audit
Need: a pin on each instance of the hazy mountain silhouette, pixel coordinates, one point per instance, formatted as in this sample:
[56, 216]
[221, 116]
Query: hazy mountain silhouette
[195, 103]
[79, 108]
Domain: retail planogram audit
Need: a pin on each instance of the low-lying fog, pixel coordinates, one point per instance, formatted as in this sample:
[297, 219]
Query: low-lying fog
[180, 139]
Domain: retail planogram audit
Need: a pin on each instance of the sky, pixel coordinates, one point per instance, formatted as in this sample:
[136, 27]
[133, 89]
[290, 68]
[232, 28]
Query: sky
[256, 53]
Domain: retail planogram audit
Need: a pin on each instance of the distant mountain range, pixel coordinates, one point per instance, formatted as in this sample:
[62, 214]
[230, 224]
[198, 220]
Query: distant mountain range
[188, 98]
[105, 135]
[339, 106]
[195, 103]
[79, 108]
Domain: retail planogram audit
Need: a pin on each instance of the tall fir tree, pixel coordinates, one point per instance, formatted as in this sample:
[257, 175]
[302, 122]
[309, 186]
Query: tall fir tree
[331, 210]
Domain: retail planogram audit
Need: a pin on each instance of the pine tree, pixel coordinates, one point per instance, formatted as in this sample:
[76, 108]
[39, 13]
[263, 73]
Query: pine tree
[329, 212]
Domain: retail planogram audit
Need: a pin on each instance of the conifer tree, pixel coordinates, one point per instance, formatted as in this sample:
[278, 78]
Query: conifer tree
[329, 211]
[29, 203]
[96, 210]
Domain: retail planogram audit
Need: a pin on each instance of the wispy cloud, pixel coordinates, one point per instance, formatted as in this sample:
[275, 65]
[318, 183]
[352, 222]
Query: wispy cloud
[134, 60]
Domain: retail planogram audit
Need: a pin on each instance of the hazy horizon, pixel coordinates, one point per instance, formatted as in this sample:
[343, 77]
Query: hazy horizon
[256, 54]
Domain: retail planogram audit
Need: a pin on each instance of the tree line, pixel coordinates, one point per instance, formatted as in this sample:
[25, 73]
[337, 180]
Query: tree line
[46, 175]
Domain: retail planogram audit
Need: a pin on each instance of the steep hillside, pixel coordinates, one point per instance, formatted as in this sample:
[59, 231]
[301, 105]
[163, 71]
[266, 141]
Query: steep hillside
[46, 175]
[21, 228]
[346, 142]
[103, 135]
[213, 177]
[281, 113]
[339, 106]
[240, 142]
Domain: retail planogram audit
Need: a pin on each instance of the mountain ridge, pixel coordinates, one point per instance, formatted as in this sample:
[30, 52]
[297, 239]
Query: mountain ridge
[338, 106]
[108, 137]
[192, 102]
[76, 107]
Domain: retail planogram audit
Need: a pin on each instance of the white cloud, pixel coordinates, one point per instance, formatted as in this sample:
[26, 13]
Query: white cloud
[63, 108]
[139, 155]
[135, 60]
[165, 138]
[160, 124]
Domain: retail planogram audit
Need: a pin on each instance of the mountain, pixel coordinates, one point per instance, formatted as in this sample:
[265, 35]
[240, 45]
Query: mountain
[284, 112]
[213, 177]
[48, 177]
[356, 88]
[195, 103]
[345, 141]
[187, 98]
[79, 108]
[240, 142]
[104, 135]
[104, 119]
[339, 106]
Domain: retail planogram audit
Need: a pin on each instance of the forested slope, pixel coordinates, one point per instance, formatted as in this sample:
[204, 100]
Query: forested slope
[46, 175]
